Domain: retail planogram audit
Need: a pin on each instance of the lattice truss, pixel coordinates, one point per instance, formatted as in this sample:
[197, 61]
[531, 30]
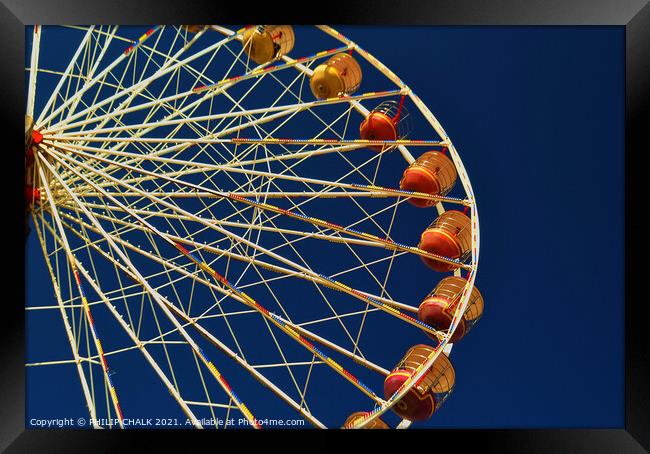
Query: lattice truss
[215, 233]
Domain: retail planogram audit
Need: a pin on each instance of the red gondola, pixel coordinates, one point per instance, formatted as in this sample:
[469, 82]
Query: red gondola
[438, 308]
[425, 397]
[389, 121]
[432, 173]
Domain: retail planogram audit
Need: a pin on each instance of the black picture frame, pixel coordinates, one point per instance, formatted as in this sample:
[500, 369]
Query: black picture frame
[633, 15]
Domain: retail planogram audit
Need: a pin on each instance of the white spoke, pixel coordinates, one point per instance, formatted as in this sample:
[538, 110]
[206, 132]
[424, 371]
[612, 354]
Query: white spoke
[31, 94]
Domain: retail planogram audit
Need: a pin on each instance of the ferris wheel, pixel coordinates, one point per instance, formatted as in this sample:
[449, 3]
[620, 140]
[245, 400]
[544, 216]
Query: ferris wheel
[229, 220]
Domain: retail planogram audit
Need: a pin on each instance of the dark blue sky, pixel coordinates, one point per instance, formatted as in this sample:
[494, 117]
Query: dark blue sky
[537, 114]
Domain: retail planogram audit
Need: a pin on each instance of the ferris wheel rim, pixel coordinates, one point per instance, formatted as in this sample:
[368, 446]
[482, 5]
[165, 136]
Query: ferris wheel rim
[421, 371]
[471, 204]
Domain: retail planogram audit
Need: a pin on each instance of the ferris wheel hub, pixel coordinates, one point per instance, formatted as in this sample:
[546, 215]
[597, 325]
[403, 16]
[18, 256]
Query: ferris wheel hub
[32, 138]
[449, 235]
[37, 137]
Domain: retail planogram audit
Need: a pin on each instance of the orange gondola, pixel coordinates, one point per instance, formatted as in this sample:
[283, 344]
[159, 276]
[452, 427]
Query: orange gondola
[426, 396]
[438, 308]
[388, 121]
[450, 236]
[432, 173]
